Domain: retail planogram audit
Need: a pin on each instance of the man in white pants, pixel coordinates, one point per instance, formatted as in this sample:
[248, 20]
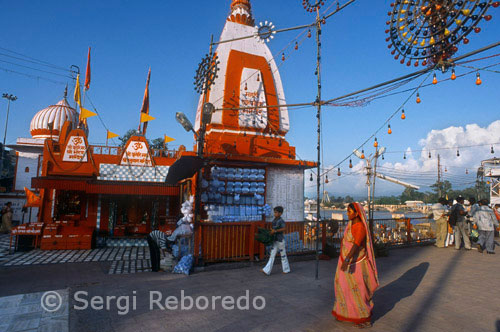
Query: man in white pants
[278, 227]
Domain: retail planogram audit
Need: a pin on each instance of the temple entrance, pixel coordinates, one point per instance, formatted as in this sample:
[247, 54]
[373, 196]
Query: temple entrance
[135, 216]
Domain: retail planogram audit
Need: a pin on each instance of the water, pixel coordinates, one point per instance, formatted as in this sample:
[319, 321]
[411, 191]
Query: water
[327, 214]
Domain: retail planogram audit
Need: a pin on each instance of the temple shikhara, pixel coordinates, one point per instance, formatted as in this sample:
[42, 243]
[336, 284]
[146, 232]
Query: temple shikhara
[114, 195]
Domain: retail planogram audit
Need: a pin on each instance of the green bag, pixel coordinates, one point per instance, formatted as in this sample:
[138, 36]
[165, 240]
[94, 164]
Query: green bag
[264, 236]
[474, 235]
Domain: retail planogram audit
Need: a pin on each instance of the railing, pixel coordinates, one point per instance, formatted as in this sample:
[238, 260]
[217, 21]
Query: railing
[235, 241]
[118, 150]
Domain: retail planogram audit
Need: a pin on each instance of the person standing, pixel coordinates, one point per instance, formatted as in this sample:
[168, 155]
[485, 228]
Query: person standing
[439, 211]
[486, 222]
[278, 227]
[356, 278]
[459, 223]
[6, 218]
[156, 240]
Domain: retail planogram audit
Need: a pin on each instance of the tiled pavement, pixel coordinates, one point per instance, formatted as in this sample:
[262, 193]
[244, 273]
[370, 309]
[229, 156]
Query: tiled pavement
[24, 313]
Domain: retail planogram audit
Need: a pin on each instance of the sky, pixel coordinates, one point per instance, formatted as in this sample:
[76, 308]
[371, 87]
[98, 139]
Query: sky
[127, 37]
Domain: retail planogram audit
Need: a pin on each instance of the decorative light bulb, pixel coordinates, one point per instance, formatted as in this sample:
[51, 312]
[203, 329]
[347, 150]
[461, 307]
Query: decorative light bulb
[418, 98]
[492, 151]
[283, 57]
[458, 153]
[363, 153]
[403, 116]
[350, 163]
[478, 79]
[309, 34]
[434, 79]
[258, 77]
[453, 76]
[338, 172]
[375, 144]
[404, 155]
[311, 178]
[430, 155]
[246, 86]
[326, 179]
[466, 171]
[389, 130]
[296, 46]
[445, 169]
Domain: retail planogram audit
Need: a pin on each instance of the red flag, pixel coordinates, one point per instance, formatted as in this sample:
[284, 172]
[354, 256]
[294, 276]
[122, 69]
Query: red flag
[145, 103]
[87, 73]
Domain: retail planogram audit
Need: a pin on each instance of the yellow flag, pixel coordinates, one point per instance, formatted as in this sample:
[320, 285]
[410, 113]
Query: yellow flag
[77, 90]
[168, 139]
[146, 117]
[85, 113]
[112, 135]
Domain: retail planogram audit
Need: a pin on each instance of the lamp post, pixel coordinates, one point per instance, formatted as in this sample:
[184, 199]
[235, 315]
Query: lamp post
[10, 98]
[369, 182]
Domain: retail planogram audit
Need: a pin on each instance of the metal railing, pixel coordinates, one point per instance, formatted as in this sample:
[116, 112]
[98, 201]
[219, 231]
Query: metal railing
[118, 150]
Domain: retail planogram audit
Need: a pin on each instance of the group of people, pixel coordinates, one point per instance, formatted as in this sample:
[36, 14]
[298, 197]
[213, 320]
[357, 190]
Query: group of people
[456, 222]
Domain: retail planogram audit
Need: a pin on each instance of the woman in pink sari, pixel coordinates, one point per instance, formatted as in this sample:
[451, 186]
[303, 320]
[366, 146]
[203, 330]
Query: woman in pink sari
[356, 278]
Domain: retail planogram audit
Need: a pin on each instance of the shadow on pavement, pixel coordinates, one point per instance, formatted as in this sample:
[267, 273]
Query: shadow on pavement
[388, 296]
[498, 325]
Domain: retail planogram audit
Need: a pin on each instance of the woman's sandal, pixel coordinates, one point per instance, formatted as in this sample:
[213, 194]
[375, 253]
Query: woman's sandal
[363, 325]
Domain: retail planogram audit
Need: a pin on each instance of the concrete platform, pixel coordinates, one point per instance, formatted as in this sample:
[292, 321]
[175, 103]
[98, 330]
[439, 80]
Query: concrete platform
[421, 289]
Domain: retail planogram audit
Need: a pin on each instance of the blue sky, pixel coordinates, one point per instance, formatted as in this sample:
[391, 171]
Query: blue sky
[127, 37]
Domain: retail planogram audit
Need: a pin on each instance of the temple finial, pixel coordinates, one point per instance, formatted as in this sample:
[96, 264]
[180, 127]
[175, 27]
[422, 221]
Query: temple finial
[65, 91]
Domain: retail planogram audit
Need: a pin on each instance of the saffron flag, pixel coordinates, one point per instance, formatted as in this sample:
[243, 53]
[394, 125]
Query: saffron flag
[168, 139]
[85, 113]
[32, 200]
[112, 135]
[87, 72]
[145, 118]
[145, 105]
[77, 95]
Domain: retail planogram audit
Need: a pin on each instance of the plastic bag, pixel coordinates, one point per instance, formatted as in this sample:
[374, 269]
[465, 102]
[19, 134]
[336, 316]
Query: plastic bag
[184, 266]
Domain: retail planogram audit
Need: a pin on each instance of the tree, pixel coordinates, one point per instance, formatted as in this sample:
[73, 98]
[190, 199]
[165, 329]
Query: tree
[443, 187]
[157, 143]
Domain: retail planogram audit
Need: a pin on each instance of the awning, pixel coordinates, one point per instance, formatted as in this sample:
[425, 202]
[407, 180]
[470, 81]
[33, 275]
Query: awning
[185, 167]
[92, 186]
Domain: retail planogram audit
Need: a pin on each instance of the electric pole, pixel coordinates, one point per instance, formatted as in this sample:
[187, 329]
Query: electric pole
[439, 176]
[10, 98]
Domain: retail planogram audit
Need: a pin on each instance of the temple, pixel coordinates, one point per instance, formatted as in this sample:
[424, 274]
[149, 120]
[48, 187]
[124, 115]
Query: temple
[113, 196]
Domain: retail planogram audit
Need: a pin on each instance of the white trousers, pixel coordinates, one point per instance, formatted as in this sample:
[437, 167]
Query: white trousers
[284, 260]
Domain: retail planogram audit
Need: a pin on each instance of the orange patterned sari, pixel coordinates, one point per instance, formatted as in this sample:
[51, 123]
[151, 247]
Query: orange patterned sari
[354, 287]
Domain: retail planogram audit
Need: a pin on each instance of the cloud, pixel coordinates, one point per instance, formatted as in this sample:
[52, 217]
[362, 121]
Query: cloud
[472, 142]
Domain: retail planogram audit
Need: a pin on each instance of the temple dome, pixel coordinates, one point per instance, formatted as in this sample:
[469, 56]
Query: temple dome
[57, 114]
[241, 12]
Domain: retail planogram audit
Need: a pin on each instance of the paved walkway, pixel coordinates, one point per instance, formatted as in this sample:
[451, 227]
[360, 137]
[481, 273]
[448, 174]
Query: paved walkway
[421, 289]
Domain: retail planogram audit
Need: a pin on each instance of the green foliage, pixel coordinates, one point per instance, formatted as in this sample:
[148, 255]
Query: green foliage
[156, 143]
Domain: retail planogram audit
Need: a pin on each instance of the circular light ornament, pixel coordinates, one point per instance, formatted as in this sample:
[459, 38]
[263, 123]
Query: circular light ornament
[264, 32]
[312, 6]
[430, 30]
[206, 73]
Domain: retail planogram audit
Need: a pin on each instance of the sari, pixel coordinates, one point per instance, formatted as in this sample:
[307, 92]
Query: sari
[354, 287]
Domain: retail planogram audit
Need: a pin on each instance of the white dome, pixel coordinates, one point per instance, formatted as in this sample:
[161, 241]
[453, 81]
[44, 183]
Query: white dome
[58, 114]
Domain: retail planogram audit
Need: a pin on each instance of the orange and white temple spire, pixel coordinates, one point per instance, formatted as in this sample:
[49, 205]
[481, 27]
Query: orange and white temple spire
[248, 76]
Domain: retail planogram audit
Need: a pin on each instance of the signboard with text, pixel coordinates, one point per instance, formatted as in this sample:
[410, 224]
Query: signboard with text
[137, 154]
[76, 149]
